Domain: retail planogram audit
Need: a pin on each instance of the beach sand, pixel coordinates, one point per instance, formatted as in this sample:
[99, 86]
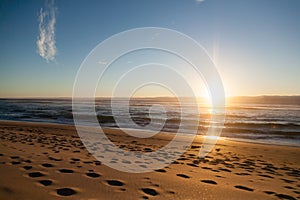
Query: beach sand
[48, 161]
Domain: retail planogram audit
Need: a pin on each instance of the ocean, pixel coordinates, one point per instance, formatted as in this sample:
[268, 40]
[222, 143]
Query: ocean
[271, 120]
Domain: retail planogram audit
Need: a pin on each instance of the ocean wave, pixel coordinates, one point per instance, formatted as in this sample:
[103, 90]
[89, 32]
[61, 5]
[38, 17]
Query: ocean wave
[242, 120]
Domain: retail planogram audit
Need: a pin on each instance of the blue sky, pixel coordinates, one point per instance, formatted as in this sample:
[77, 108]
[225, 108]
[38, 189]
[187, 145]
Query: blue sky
[255, 44]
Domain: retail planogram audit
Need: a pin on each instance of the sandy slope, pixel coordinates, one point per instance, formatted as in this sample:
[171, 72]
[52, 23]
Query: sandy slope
[43, 161]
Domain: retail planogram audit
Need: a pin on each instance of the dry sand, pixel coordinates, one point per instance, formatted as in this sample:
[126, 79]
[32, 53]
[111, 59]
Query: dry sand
[44, 161]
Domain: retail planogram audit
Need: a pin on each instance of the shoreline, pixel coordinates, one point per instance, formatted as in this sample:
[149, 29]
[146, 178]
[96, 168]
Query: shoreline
[243, 140]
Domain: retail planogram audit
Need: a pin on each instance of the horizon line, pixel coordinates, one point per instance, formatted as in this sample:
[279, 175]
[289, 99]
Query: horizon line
[226, 97]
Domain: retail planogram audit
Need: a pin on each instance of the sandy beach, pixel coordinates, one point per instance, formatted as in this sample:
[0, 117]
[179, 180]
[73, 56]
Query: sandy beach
[48, 161]
[166, 100]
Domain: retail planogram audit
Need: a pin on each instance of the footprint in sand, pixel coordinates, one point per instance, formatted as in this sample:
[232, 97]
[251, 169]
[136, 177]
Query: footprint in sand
[35, 174]
[14, 157]
[224, 170]
[150, 191]
[269, 192]
[75, 159]
[115, 183]
[65, 191]
[243, 174]
[195, 147]
[47, 165]
[192, 165]
[66, 171]
[126, 162]
[87, 162]
[147, 180]
[93, 175]
[182, 175]
[182, 158]
[147, 149]
[122, 189]
[155, 184]
[27, 167]
[285, 196]
[55, 159]
[15, 162]
[161, 170]
[97, 162]
[218, 176]
[208, 168]
[266, 176]
[296, 192]
[244, 188]
[45, 182]
[287, 181]
[171, 192]
[209, 182]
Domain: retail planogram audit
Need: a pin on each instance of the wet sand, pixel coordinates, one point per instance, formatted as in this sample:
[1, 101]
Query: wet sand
[48, 161]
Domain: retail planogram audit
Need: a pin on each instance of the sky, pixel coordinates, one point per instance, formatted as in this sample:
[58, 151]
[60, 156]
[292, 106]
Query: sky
[254, 44]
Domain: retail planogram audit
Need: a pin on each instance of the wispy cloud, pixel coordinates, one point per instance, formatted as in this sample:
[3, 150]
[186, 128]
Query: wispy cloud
[46, 40]
[199, 1]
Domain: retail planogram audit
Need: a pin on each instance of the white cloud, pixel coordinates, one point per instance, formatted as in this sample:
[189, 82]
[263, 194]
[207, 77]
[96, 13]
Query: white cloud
[46, 40]
[199, 1]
